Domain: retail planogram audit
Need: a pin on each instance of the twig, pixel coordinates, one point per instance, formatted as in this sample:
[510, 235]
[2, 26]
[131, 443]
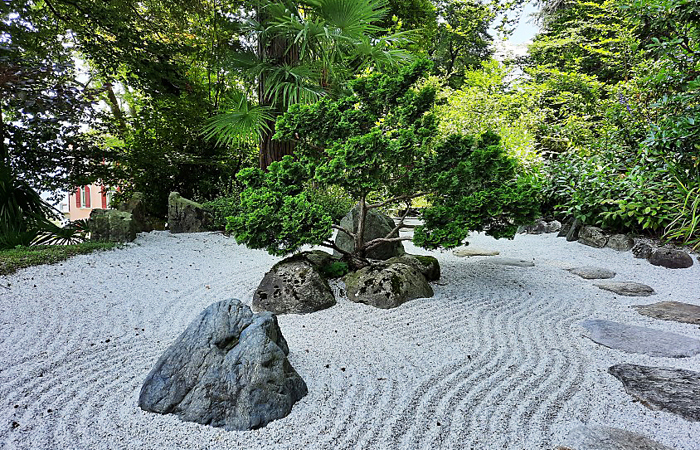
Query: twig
[344, 230]
[396, 199]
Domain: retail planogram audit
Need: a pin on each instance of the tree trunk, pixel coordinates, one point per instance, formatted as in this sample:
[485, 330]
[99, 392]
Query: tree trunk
[277, 50]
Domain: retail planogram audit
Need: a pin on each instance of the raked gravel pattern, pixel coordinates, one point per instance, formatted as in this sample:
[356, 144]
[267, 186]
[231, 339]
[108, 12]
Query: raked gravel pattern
[495, 360]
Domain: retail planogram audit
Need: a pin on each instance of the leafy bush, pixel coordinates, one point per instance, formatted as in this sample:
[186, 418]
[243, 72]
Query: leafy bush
[335, 270]
[221, 208]
[381, 140]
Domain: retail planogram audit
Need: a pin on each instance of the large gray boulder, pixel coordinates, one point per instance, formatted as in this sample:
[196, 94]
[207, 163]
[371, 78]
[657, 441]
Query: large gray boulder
[386, 285]
[294, 286]
[110, 225]
[670, 258]
[228, 369]
[662, 388]
[186, 216]
[593, 237]
[377, 225]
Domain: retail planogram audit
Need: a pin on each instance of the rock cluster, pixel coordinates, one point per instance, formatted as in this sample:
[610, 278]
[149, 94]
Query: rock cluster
[228, 369]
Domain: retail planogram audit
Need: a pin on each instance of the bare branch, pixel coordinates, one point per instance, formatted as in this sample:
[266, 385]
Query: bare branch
[344, 230]
[396, 199]
[379, 241]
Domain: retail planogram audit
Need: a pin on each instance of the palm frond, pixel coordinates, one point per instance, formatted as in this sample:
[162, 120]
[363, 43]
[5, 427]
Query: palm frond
[352, 17]
[244, 123]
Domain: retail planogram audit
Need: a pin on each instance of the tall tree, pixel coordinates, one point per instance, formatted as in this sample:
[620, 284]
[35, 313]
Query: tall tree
[302, 51]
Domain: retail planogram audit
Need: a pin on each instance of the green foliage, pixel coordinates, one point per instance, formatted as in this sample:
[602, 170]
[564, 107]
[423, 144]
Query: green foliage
[20, 257]
[221, 208]
[685, 226]
[335, 270]
[474, 188]
[381, 141]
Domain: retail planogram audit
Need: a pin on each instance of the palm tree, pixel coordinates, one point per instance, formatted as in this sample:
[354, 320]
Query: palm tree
[303, 51]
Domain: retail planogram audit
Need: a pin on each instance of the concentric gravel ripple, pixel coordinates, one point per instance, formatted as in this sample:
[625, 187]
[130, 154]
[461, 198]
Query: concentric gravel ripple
[494, 360]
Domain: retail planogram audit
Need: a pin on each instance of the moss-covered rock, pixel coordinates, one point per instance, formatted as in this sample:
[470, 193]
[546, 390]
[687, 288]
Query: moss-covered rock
[112, 226]
[377, 225]
[387, 285]
[427, 265]
[186, 216]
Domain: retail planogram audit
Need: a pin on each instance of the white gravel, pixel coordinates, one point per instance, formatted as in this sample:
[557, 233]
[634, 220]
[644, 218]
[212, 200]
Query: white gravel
[496, 359]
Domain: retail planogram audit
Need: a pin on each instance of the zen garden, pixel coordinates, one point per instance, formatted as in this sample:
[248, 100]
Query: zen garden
[350, 224]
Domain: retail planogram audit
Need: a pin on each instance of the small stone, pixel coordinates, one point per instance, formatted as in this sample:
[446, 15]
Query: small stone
[670, 258]
[596, 437]
[593, 237]
[471, 251]
[634, 339]
[642, 250]
[515, 262]
[662, 388]
[676, 311]
[552, 227]
[620, 242]
[627, 288]
[592, 273]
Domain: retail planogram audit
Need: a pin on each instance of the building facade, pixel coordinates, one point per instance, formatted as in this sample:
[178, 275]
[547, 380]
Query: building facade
[85, 199]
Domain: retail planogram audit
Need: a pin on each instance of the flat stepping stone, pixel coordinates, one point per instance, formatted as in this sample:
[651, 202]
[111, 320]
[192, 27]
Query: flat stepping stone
[592, 273]
[634, 339]
[662, 388]
[607, 438]
[627, 288]
[676, 311]
[468, 252]
[501, 261]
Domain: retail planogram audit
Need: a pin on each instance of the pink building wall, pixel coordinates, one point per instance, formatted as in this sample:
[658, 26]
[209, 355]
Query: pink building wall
[85, 199]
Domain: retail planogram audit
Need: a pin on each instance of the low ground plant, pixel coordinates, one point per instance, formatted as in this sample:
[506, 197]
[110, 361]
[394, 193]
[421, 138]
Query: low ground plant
[20, 257]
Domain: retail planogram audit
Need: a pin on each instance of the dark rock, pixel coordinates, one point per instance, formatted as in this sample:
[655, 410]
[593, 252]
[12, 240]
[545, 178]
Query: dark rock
[538, 227]
[574, 231]
[620, 242]
[661, 388]
[386, 285]
[634, 339]
[670, 258]
[377, 225]
[592, 273]
[565, 227]
[293, 286]
[186, 216]
[228, 369]
[110, 225]
[136, 206]
[427, 265]
[515, 262]
[627, 288]
[676, 311]
[607, 438]
[593, 237]
[642, 250]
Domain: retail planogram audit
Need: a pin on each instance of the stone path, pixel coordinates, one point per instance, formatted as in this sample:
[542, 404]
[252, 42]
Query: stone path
[592, 273]
[515, 262]
[662, 388]
[676, 311]
[627, 288]
[608, 438]
[634, 339]
[469, 251]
